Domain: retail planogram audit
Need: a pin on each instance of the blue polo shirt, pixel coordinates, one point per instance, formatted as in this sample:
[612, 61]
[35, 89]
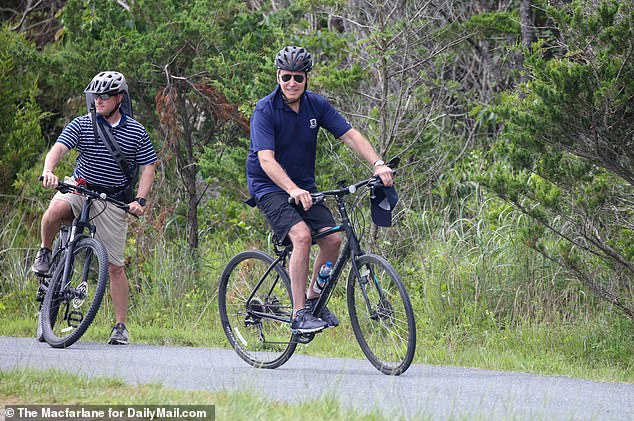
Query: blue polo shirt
[292, 136]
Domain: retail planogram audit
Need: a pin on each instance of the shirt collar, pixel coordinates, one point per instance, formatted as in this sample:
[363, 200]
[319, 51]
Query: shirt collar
[124, 118]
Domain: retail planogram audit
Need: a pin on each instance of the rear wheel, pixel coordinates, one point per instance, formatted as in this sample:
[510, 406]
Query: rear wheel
[381, 315]
[70, 305]
[256, 307]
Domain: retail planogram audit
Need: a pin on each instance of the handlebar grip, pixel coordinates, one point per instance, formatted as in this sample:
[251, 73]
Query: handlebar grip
[317, 198]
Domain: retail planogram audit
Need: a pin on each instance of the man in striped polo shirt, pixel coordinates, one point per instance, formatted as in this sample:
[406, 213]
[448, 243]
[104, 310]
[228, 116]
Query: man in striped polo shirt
[95, 164]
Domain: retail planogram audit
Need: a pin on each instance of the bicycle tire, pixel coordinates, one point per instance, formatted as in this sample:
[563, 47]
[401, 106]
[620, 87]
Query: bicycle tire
[57, 254]
[384, 325]
[66, 314]
[261, 342]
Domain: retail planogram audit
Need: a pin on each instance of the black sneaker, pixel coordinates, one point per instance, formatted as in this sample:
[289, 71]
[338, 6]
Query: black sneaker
[42, 262]
[119, 335]
[326, 315]
[305, 322]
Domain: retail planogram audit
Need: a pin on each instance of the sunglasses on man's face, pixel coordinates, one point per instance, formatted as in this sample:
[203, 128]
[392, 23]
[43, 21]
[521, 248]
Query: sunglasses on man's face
[287, 77]
[107, 96]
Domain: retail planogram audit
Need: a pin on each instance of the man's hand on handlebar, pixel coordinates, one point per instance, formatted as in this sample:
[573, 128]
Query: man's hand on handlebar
[386, 175]
[301, 196]
[49, 179]
[135, 208]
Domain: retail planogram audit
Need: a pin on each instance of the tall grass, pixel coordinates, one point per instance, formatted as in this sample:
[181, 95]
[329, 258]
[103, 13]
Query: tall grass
[481, 298]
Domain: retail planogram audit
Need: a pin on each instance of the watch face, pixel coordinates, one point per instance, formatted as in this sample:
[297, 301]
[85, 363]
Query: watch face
[141, 201]
[379, 162]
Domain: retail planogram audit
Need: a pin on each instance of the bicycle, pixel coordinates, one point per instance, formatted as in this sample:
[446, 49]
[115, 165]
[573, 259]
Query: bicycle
[256, 307]
[73, 289]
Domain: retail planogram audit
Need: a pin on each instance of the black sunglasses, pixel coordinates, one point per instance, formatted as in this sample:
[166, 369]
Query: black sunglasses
[287, 77]
[106, 96]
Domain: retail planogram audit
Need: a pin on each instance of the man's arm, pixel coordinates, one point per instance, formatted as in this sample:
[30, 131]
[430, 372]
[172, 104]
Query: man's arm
[145, 184]
[274, 170]
[364, 149]
[50, 163]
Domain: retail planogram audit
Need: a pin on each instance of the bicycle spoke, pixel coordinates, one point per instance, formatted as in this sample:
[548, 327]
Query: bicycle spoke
[255, 308]
[381, 315]
[75, 300]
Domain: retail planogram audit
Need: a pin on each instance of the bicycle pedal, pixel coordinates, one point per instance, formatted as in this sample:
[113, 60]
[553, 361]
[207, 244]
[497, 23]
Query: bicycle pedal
[41, 292]
[303, 332]
[304, 338]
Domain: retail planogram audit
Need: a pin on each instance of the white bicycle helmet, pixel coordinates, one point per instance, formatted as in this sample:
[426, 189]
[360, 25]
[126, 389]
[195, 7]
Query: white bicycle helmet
[105, 83]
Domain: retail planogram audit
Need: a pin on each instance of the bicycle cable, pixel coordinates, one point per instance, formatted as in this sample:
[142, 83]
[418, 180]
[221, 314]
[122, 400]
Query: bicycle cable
[357, 216]
[103, 209]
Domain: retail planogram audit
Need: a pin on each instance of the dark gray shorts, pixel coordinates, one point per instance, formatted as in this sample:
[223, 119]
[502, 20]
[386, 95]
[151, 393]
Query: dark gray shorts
[281, 215]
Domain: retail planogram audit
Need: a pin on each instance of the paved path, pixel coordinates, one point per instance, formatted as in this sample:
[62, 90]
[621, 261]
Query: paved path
[434, 391]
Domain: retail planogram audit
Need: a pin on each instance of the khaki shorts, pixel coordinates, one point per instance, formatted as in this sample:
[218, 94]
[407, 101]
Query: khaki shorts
[111, 223]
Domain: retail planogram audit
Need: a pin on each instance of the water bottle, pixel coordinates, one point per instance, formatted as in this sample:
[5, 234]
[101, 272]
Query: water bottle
[323, 277]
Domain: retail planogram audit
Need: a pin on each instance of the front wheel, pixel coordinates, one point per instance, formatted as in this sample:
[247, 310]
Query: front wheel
[381, 314]
[256, 307]
[70, 304]
[45, 281]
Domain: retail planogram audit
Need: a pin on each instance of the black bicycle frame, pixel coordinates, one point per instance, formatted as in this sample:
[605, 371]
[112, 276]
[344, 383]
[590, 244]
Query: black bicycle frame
[268, 270]
[76, 233]
[352, 249]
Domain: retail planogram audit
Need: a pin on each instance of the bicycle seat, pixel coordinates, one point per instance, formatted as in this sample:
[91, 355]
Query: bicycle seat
[285, 242]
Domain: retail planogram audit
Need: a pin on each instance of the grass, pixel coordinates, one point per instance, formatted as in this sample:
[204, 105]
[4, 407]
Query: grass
[50, 387]
[483, 302]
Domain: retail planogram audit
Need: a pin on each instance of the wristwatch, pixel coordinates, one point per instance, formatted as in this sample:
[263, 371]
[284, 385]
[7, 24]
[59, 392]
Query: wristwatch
[140, 200]
[379, 162]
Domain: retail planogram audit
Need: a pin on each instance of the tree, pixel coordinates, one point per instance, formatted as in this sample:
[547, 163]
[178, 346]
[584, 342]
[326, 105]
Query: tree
[185, 62]
[35, 19]
[22, 140]
[566, 158]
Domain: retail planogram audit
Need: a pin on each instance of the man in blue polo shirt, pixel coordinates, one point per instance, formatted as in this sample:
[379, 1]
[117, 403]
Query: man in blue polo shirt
[281, 163]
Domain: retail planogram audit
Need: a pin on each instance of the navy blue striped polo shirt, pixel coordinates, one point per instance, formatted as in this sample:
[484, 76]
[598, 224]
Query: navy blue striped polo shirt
[95, 164]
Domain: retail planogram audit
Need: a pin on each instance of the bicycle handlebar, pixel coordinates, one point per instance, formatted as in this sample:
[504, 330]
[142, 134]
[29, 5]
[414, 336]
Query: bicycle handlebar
[70, 188]
[319, 197]
[373, 181]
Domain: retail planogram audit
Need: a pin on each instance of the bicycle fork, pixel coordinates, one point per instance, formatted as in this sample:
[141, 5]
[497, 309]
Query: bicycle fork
[74, 296]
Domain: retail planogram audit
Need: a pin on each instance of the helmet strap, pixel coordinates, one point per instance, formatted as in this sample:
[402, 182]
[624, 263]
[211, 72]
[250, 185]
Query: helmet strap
[114, 110]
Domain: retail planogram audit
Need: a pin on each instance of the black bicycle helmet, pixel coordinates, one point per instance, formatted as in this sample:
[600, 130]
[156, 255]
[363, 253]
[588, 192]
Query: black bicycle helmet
[294, 59]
